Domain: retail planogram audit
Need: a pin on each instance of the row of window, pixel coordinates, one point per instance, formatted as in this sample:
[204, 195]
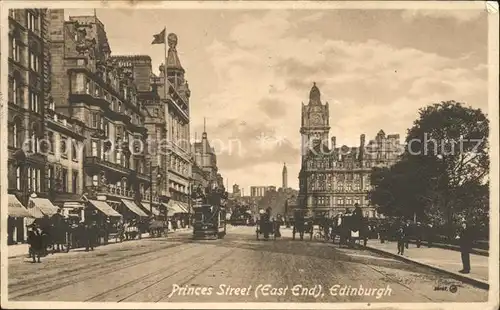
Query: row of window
[116, 105]
[34, 58]
[16, 96]
[316, 185]
[179, 165]
[339, 177]
[97, 150]
[34, 176]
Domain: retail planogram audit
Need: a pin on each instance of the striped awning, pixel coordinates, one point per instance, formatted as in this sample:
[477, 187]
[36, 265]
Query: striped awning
[38, 207]
[133, 207]
[183, 206]
[154, 209]
[105, 208]
[16, 209]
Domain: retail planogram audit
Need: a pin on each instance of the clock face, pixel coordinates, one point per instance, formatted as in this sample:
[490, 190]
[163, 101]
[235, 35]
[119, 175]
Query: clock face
[316, 119]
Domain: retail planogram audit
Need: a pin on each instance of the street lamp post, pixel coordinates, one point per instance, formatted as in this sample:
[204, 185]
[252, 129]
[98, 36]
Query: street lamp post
[151, 186]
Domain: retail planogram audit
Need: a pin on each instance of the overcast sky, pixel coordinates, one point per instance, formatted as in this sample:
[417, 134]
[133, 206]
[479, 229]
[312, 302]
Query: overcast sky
[249, 71]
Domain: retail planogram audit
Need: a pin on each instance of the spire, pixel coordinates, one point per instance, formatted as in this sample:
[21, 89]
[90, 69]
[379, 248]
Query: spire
[173, 62]
[284, 175]
[204, 135]
[314, 95]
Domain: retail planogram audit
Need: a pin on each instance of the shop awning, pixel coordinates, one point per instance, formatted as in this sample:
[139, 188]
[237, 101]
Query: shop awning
[173, 207]
[16, 209]
[146, 206]
[38, 207]
[105, 208]
[133, 207]
[183, 206]
[73, 205]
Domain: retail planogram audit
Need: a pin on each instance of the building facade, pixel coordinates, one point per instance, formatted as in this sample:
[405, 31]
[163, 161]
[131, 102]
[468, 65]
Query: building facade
[177, 116]
[93, 88]
[28, 94]
[260, 191]
[333, 179]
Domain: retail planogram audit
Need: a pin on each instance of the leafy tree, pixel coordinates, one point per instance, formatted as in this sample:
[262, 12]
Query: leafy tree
[442, 173]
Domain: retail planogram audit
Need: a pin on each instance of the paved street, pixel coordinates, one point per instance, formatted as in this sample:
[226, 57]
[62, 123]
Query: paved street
[148, 270]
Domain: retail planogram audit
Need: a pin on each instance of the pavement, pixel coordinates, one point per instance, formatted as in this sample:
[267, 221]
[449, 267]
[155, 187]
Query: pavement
[445, 260]
[18, 250]
[238, 268]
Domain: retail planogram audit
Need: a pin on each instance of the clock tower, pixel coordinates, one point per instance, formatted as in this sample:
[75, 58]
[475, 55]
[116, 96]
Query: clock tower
[315, 123]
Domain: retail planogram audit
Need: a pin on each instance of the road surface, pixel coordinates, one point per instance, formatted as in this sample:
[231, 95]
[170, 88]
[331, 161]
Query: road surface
[237, 268]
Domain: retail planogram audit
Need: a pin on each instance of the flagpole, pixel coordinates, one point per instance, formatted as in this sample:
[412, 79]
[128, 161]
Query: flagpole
[165, 59]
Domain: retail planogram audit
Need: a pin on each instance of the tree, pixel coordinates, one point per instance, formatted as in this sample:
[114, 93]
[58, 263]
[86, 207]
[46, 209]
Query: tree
[444, 167]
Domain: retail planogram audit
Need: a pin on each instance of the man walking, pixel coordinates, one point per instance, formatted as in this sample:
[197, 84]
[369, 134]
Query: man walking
[401, 238]
[465, 238]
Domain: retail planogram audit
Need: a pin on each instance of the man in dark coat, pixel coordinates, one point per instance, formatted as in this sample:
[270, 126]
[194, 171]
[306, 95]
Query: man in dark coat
[418, 234]
[466, 238]
[298, 225]
[36, 243]
[401, 239]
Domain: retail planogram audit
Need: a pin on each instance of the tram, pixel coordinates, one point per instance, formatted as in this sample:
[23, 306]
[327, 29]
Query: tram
[209, 222]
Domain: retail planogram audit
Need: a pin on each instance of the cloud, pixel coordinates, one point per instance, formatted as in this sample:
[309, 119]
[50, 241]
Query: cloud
[459, 15]
[266, 71]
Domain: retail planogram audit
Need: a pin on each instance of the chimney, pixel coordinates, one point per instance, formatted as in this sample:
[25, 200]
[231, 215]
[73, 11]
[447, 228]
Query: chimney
[56, 22]
[362, 140]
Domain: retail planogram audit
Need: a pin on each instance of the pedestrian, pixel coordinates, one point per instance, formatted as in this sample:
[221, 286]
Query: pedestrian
[407, 232]
[430, 234]
[401, 238]
[465, 238]
[35, 242]
[89, 237]
[418, 234]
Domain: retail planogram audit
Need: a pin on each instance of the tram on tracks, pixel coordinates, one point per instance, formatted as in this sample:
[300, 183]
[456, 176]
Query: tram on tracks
[209, 222]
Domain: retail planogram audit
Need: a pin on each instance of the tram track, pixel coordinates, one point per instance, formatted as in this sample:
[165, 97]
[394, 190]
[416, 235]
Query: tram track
[78, 266]
[58, 282]
[131, 284]
[199, 272]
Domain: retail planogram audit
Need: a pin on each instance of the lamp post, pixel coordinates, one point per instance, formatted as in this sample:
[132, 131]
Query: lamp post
[158, 177]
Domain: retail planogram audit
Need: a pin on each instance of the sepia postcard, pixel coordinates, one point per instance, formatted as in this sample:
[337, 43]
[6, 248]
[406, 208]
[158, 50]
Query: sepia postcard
[249, 154]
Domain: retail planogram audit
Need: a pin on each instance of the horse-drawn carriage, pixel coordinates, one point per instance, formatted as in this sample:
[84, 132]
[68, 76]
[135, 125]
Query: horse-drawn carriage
[302, 224]
[351, 228]
[267, 227]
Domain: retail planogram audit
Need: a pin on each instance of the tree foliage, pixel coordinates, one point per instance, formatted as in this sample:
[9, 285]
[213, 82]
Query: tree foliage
[442, 173]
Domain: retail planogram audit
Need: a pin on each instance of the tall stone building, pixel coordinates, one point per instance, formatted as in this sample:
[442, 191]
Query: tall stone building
[205, 157]
[284, 176]
[91, 87]
[177, 116]
[28, 94]
[155, 151]
[332, 179]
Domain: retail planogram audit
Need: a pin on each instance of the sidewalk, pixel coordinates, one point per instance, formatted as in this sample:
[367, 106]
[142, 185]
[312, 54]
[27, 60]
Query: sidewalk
[444, 260]
[18, 250]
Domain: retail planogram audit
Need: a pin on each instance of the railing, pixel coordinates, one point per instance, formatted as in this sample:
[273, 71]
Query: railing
[110, 189]
[147, 198]
[54, 117]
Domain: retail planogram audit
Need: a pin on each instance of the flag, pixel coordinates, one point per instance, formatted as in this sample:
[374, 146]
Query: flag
[159, 38]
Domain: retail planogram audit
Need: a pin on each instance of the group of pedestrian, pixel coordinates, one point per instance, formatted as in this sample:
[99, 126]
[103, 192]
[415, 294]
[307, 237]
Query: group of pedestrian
[464, 236]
